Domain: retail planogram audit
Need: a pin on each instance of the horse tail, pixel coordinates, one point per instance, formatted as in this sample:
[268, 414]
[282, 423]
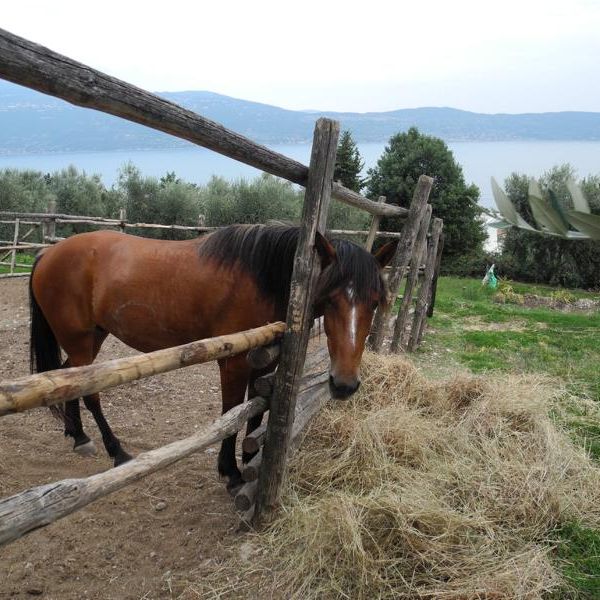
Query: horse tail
[44, 351]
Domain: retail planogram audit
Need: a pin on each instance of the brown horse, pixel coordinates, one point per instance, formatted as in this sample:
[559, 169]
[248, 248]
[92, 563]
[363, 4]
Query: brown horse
[154, 294]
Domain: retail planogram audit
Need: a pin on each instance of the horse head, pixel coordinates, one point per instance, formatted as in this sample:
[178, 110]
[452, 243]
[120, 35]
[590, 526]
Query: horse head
[349, 290]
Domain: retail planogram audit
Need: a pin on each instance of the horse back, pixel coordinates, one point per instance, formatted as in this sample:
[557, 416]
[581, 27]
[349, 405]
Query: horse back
[151, 294]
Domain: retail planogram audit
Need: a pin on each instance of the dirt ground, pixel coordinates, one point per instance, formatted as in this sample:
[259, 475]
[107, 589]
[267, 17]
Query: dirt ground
[146, 541]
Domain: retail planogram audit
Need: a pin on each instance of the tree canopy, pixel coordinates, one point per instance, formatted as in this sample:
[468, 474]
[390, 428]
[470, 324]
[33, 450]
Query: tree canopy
[348, 163]
[412, 154]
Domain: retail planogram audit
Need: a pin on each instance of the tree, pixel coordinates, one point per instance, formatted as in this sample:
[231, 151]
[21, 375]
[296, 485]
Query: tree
[412, 154]
[348, 163]
[541, 258]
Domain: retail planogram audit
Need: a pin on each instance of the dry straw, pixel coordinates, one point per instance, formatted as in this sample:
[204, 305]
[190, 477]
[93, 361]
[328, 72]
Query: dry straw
[418, 489]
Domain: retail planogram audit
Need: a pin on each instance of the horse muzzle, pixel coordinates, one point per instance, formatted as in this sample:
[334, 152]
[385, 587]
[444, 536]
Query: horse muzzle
[342, 390]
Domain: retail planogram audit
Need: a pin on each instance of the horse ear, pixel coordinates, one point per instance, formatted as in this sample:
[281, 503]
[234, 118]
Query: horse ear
[325, 250]
[385, 253]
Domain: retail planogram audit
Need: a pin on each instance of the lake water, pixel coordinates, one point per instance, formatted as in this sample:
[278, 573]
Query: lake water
[480, 161]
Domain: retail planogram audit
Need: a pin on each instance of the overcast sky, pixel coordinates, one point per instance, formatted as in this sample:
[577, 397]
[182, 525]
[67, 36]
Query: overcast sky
[506, 56]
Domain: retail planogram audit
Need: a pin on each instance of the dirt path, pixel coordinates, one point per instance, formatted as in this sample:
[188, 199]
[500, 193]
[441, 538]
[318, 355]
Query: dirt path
[146, 541]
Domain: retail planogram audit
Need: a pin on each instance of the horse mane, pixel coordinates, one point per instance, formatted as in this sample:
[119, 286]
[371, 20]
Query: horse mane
[267, 253]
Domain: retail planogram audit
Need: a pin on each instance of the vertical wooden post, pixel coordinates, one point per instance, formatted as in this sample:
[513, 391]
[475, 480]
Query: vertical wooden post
[374, 227]
[49, 229]
[295, 339]
[122, 219]
[401, 259]
[415, 262]
[423, 300]
[13, 255]
[436, 274]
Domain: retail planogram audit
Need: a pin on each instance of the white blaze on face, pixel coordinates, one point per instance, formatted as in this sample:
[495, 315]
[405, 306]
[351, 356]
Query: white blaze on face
[353, 316]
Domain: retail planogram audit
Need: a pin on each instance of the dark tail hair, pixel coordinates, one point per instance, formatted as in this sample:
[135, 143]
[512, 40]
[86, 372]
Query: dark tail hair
[44, 351]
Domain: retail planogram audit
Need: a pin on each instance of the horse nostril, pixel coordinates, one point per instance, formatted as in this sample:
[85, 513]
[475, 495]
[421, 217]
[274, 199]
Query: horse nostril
[340, 390]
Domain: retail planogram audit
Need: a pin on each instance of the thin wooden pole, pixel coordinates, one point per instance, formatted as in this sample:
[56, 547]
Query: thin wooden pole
[26, 63]
[411, 280]
[54, 387]
[401, 260]
[436, 274]
[423, 299]
[374, 227]
[122, 219]
[13, 256]
[295, 339]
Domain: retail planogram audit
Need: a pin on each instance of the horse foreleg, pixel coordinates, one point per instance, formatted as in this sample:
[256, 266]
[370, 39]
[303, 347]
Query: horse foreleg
[111, 442]
[234, 381]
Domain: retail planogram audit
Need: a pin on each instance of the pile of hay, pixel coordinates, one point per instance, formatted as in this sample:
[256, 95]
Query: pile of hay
[418, 489]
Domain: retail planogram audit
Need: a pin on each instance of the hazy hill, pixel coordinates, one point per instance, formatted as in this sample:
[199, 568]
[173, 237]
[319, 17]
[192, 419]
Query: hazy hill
[31, 122]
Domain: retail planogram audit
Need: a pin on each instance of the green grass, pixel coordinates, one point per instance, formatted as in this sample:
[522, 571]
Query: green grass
[22, 259]
[470, 329]
[484, 335]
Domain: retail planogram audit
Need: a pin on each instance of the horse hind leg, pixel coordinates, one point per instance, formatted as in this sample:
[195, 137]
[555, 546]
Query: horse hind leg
[81, 354]
[111, 442]
[82, 445]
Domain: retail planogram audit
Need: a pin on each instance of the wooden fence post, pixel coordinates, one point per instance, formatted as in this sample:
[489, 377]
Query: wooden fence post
[122, 219]
[49, 228]
[418, 256]
[401, 259]
[374, 227]
[436, 274]
[13, 255]
[295, 339]
[423, 300]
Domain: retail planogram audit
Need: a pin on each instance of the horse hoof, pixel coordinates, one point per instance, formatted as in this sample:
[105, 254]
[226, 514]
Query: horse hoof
[122, 458]
[87, 449]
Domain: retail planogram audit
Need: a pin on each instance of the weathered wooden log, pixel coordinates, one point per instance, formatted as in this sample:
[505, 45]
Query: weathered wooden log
[264, 385]
[42, 505]
[245, 498]
[313, 402]
[13, 254]
[411, 280]
[41, 69]
[401, 260]
[436, 274]
[254, 440]
[423, 299]
[50, 214]
[306, 390]
[295, 338]
[54, 387]
[375, 220]
[262, 357]
[251, 468]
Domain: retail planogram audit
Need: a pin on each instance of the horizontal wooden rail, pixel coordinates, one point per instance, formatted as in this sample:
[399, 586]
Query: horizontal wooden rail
[54, 387]
[41, 69]
[42, 505]
[50, 216]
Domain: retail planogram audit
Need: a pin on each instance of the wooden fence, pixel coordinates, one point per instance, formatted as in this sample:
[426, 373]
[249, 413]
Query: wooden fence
[39, 68]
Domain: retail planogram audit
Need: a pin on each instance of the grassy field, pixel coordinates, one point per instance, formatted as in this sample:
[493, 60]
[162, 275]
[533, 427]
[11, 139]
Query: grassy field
[22, 258]
[472, 330]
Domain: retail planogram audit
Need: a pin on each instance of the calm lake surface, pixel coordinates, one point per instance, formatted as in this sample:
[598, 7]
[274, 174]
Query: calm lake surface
[480, 161]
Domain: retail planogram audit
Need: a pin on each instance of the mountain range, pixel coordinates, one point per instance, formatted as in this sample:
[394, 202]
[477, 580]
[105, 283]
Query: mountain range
[31, 122]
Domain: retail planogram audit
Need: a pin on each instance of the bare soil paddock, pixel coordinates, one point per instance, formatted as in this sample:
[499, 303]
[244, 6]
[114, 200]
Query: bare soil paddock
[145, 541]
